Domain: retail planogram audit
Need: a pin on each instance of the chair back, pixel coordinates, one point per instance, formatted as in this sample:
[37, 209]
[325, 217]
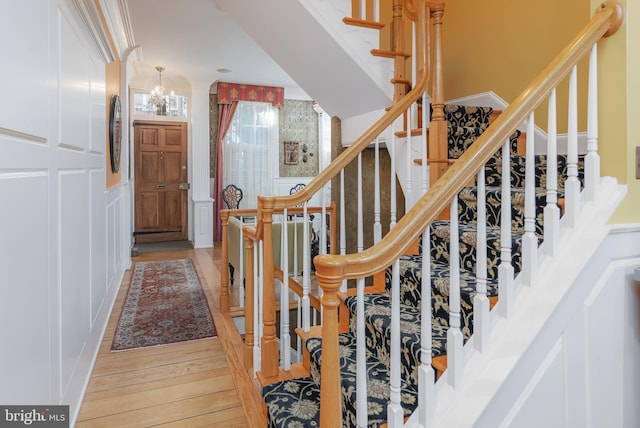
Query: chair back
[232, 195]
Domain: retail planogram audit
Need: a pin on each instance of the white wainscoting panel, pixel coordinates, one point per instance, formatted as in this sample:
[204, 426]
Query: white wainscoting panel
[547, 390]
[62, 250]
[74, 270]
[99, 232]
[24, 285]
[203, 223]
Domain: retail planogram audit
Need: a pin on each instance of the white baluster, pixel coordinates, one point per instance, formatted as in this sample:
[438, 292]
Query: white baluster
[299, 322]
[361, 358]
[454, 334]
[257, 304]
[285, 347]
[425, 165]
[392, 191]
[572, 184]
[376, 10]
[395, 413]
[426, 375]
[377, 225]
[592, 159]
[241, 274]
[408, 194]
[343, 227]
[323, 224]
[296, 266]
[551, 210]
[505, 270]
[363, 9]
[529, 239]
[360, 225]
[480, 301]
[306, 270]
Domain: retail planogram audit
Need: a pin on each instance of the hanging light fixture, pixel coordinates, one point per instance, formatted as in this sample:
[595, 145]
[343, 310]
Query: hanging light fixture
[158, 100]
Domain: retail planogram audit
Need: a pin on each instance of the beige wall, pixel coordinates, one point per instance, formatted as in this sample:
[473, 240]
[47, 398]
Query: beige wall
[507, 48]
[112, 83]
[619, 88]
[502, 45]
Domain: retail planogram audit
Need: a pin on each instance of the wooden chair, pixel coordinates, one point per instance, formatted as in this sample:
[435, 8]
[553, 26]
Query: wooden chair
[232, 195]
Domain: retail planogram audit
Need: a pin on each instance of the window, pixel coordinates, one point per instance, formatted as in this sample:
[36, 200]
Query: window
[251, 151]
[175, 106]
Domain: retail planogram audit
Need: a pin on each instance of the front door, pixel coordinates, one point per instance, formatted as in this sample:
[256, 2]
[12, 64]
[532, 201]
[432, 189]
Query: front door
[160, 181]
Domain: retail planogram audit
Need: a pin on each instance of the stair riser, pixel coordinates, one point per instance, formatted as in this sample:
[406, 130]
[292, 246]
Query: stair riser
[377, 385]
[440, 241]
[493, 171]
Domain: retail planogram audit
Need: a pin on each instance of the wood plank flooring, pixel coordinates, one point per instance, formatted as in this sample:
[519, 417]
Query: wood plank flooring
[200, 383]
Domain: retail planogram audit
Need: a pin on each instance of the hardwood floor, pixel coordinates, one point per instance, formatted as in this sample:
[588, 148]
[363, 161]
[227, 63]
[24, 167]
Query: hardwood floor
[191, 384]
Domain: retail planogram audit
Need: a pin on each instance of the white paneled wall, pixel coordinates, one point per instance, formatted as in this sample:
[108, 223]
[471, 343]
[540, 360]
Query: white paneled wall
[63, 237]
[583, 370]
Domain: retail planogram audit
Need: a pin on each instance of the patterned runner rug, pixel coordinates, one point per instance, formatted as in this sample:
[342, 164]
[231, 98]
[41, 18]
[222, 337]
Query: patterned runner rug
[165, 304]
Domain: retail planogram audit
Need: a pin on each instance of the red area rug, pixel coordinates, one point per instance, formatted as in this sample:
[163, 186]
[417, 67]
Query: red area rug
[165, 304]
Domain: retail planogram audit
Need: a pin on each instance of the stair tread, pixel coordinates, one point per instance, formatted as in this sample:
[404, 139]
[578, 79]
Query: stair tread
[377, 379]
[465, 123]
[296, 400]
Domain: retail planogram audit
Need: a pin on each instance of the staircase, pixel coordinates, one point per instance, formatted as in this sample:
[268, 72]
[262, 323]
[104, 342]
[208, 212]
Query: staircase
[375, 360]
[294, 400]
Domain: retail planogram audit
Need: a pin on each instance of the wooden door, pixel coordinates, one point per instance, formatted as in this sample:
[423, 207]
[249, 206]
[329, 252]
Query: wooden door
[160, 181]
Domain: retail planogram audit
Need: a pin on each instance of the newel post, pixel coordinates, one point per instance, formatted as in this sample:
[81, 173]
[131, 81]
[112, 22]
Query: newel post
[270, 348]
[330, 280]
[397, 45]
[224, 269]
[438, 129]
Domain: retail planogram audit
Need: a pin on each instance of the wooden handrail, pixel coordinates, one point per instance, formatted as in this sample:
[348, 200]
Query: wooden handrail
[330, 395]
[333, 269]
[251, 231]
[334, 168]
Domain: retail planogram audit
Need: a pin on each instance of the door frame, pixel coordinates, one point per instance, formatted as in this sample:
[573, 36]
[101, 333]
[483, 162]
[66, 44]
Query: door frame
[185, 233]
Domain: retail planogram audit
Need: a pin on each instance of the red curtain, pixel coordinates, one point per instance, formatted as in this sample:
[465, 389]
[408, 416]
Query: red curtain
[225, 114]
[231, 92]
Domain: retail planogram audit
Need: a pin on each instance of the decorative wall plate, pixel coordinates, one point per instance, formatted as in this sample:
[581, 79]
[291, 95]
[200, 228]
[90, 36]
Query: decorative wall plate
[115, 133]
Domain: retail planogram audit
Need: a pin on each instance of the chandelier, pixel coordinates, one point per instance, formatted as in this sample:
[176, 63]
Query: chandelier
[158, 101]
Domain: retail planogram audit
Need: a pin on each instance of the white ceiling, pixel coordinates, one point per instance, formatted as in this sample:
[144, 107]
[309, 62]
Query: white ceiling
[193, 39]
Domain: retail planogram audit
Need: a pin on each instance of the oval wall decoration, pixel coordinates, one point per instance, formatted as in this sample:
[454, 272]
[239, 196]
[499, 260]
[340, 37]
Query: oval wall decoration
[115, 133]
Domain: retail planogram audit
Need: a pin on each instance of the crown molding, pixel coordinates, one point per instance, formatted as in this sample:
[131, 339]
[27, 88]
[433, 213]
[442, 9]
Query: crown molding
[90, 19]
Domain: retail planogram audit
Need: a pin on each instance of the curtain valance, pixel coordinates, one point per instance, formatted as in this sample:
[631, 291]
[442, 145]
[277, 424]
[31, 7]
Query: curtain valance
[231, 92]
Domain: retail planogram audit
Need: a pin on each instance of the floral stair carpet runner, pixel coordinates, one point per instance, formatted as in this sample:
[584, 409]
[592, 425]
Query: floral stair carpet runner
[295, 403]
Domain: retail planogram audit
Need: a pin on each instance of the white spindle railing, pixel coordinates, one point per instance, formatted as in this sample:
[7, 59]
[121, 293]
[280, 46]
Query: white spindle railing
[480, 300]
[572, 184]
[426, 375]
[393, 211]
[395, 413]
[343, 227]
[361, 359]
[530, 239]
[454, 333]
[592, 159]
[408, 191]
[505, 269]
[551, 210]
[285, 341]
[377, 221]
[455, 351]
[257, 310]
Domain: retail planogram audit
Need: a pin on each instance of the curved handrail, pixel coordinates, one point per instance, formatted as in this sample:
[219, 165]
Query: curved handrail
[333, 268]
[278, 202]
